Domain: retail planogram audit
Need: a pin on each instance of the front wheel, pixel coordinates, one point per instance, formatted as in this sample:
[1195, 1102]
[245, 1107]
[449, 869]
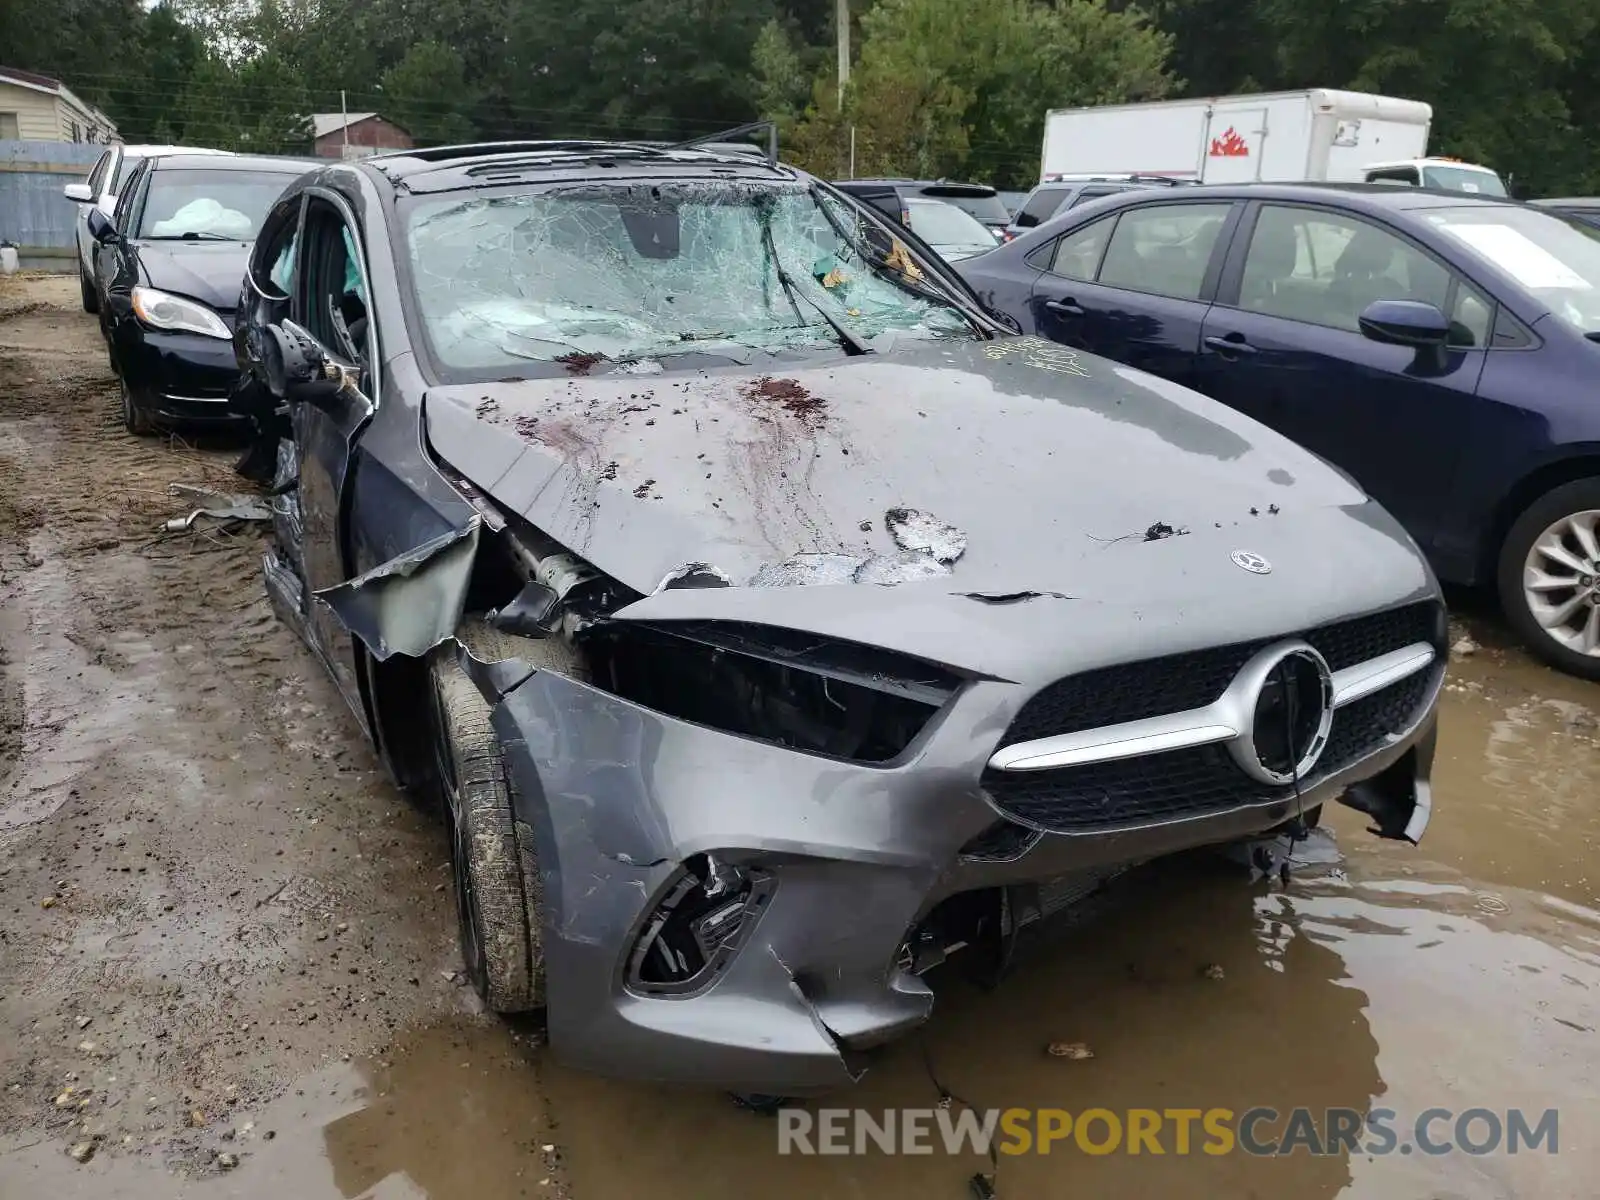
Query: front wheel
[1549, 577]
[491, 854]
[135, 418]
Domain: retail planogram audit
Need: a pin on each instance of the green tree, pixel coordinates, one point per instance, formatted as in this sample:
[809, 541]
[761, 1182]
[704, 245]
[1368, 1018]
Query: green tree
[426, 92]
[1501, 74]
[779, 83]
[949, 87]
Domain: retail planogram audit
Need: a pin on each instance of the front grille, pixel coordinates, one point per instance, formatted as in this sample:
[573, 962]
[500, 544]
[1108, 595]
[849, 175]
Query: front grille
[1203, 780]
[1158, 686]
[1130, 791]
[1363, 725]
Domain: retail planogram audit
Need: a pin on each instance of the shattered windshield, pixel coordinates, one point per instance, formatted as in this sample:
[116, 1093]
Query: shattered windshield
[630, 272]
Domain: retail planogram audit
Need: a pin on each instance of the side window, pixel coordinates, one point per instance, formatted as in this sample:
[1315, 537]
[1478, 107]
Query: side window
[281, 274]
[1471, 317]
[1325, 268]
[1164, 249]
[121, 215]
[1405, 175]
[98, 175]
[1078, 254]
[273, 260]
[126, 165]
[329, 283]
[887, 203]
[1510, 333]
[1094, 193]
[1040, 206]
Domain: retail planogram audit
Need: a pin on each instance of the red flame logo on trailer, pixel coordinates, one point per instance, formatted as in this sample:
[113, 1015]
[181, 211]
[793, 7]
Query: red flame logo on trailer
[1230, 145]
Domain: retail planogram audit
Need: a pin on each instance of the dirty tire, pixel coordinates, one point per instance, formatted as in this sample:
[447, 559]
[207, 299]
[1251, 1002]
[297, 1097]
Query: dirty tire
[91, 302]
[1579, 496]
[134, 418]
[496, 873]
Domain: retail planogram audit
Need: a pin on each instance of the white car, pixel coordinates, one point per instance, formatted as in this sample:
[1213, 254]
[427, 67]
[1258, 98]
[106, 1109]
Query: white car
[100, 190]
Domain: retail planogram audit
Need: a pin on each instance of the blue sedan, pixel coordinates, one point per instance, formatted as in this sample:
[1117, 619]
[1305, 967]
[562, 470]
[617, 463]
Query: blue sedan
[1443, 349]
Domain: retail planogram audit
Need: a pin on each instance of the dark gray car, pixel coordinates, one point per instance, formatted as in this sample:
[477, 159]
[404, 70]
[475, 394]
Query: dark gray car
[766, 621]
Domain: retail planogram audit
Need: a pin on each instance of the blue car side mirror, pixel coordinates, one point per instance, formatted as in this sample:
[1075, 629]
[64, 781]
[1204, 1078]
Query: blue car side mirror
[1405, 323]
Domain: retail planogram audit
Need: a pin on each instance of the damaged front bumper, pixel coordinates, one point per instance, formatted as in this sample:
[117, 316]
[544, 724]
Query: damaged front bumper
[831, 870]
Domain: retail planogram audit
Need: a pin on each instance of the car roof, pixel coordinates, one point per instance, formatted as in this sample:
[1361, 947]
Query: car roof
[1376, 197]
[233, 162]
[1568, 202]
[151, 151]
[449, 168]
[956, 188]
[1428, 162]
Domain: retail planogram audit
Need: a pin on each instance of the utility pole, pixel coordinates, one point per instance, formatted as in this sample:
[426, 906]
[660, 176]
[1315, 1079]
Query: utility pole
[344, 115]
[841, 19]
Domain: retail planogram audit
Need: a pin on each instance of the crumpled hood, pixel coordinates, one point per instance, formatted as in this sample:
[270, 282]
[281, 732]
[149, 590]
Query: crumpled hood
[210, 272]
[1037, 455]
[1069, 493]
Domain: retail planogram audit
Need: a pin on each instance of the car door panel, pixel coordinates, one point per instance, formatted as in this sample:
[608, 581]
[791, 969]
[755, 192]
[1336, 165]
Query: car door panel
[1389, 415]
[325, 435]
[1151, 319]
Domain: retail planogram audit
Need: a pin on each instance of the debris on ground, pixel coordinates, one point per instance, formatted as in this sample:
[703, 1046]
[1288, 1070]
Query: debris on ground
[1214, 971]
[225, 508]
[227, 1161]
[1465, 647]
[82, 1152]
[981, 1187]
[1077, 1050]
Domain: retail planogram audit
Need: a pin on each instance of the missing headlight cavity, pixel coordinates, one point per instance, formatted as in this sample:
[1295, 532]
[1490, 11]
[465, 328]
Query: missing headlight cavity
[796, 690]
[697, 928]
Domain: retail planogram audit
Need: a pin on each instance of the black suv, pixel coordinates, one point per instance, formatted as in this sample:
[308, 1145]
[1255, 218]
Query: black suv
[888, 196]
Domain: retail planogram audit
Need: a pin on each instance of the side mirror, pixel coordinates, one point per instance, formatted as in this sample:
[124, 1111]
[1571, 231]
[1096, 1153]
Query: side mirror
[78, 193]
[101, 229]
[1404, 323]
[294, 367]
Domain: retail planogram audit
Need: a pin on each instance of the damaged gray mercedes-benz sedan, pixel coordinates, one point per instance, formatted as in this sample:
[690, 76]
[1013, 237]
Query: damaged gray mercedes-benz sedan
[768, 621]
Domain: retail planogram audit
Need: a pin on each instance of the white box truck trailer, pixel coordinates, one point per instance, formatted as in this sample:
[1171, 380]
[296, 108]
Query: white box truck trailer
[1282, 137]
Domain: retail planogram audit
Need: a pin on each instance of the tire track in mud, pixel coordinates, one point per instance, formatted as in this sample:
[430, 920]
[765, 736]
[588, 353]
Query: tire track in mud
[186, 808]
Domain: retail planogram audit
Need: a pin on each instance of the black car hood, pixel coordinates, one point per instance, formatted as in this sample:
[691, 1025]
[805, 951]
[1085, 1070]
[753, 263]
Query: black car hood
[210, 272]
[1021, 463]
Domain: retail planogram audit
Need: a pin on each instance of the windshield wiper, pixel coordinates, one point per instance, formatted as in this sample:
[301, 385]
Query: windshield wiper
[852, 342]
[192, 235]
[899, 279]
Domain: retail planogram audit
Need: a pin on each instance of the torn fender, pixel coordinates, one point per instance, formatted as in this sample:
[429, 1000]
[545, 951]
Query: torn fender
[411, 603]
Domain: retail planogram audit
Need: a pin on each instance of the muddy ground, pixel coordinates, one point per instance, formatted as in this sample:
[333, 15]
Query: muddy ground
[227, 949]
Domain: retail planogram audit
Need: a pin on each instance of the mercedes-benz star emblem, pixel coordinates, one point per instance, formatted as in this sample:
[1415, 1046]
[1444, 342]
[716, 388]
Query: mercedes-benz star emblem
[1251, 562]
[1289, 690]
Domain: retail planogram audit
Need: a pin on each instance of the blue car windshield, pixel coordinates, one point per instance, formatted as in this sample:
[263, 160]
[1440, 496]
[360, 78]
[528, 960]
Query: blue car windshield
[630, 272]
[1547, 254]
